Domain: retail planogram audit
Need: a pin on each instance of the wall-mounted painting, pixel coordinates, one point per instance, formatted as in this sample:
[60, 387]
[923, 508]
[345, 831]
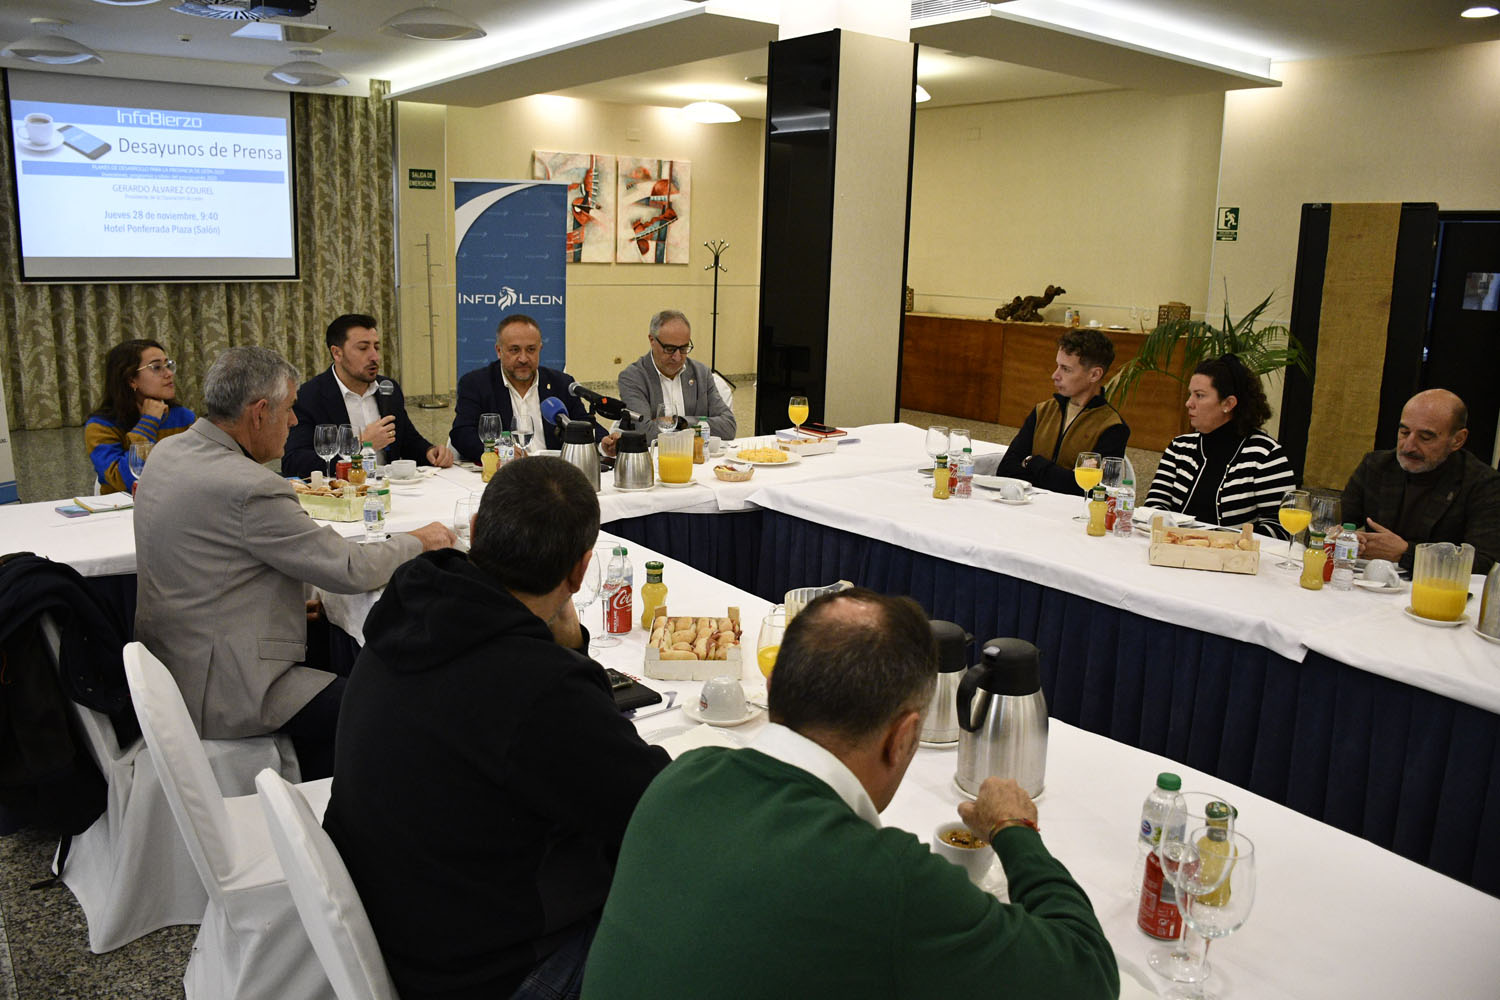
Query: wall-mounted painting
[655, 196]
[591, 201]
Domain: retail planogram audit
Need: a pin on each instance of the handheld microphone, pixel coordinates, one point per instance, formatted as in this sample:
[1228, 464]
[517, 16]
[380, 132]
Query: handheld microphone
[555, 411]
[385, 386]
[608, 407]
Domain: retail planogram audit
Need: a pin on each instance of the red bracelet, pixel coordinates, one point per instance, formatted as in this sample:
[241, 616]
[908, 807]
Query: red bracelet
[1009, 822]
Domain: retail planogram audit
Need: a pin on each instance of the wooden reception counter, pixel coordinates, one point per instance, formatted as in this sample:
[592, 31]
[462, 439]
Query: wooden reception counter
[995, 371]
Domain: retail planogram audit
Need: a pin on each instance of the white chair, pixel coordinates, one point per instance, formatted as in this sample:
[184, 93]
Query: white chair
[251, 945]
[130, 871]
[324, 893]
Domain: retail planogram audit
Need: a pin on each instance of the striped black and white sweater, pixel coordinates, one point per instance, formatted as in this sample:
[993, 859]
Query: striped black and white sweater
[1252, 488]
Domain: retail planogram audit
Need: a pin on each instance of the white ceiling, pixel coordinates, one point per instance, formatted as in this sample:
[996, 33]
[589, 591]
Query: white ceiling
[668, 52]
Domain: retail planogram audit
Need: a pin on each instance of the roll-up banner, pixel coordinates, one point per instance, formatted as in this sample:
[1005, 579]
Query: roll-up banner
[8, 492]
[511, 259]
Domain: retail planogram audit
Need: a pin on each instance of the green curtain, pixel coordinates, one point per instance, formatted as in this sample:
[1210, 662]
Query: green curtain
[53, 338]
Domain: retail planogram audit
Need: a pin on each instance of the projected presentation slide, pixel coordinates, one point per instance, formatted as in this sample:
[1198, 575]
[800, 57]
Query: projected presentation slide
[118, 179]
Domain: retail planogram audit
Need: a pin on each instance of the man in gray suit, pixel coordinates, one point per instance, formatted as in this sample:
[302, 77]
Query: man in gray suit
[666, 375]
[223, 549]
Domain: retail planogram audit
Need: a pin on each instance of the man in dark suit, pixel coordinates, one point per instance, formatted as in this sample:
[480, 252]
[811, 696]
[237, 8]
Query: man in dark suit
[349, 393]
[516, 378]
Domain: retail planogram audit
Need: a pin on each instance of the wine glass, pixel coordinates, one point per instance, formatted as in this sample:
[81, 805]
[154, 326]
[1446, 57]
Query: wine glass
[1327, 514]
[490, 426]
[796, 411]
[958, 440]
[588, 590]
[463, 517]
[1295, 515]
[1087, 473]
[326, 444]
[772, 630]
[139, 450]
[1215, 881]
[521, 430]
[1185, 959]
[348, 443]
[937, 443]
[603, 556]
[665, 418]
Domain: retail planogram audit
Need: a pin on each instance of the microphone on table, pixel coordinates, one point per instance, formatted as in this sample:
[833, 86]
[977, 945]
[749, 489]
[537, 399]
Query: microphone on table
[608, 407]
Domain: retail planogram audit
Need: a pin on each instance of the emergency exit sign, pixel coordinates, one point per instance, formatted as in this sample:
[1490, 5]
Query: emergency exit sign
[421, 179]
[1227, 228]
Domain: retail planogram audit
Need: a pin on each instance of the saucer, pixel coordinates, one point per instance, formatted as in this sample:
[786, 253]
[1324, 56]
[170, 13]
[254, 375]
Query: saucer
[677, 486]
[1376, 587]
[1435, 624]
[1013, 503]
[690, 709]
[25, 143]
[409, 481]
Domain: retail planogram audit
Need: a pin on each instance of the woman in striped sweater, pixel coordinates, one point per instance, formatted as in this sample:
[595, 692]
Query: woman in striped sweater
[140, 389]
[1227, 471]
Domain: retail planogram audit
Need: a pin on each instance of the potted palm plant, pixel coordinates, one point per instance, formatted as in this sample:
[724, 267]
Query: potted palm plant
[1177, 346]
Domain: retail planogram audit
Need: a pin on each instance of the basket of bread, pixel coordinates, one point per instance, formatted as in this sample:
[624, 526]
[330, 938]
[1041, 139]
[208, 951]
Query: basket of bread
[1201, 548]
[734, 472]
[693, 648]
[337, 499]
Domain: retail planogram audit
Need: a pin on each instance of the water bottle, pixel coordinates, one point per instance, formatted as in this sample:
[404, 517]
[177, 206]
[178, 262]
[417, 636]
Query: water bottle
[374, 515]
[1124, 508]
[1157, 914]
[1345, 551]
[505, 448]
[1154, 812]
[619, 589]
[965, 485]
[367, 459]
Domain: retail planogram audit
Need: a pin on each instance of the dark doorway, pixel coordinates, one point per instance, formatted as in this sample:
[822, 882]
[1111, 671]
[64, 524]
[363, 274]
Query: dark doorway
[1463, 332]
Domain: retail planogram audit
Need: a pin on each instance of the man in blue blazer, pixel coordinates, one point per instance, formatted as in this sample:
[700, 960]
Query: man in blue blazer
[516, 378]
[349, 393]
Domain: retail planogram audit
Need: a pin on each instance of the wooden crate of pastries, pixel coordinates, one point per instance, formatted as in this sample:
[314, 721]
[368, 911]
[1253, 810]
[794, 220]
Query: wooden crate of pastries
[693, 648]
[1198, 548]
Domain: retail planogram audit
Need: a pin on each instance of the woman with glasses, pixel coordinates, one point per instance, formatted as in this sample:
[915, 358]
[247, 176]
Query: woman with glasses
[138, 407]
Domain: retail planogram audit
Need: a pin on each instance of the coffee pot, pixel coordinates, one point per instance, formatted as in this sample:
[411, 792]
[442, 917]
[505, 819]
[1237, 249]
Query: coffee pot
[633, 462]
[940, 724]
[1489, 605]
[1003, 717]
[578, 449]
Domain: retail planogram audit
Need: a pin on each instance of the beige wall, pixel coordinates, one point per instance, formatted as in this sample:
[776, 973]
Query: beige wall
[608, 304]
[1109, 195]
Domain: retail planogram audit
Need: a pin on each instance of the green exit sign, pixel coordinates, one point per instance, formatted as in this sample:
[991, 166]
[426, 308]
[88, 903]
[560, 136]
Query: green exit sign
[1227, 227]
[421, 179]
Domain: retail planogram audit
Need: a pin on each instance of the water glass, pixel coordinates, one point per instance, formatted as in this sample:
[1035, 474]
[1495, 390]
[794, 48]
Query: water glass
[326, 445]
[1215, 883]
[1184, 960]
[348, 443]
[463, 517]
[521, 430]
[958, 440]
[490, 426]
[937, 442]
[139, 450]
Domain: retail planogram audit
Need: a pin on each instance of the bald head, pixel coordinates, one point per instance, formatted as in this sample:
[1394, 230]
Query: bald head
[1434, 424]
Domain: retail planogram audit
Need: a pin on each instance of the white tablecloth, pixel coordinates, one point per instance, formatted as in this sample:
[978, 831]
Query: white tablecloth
[1039, 542]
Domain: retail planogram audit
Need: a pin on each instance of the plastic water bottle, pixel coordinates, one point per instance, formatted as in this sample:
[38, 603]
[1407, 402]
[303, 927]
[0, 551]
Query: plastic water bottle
[505, 448]
[367, 459]
[964, 487]
[1345, 551]
[1124, 508]
[1154, 813]
[619, 590]
[374, 516]
[1157, 914]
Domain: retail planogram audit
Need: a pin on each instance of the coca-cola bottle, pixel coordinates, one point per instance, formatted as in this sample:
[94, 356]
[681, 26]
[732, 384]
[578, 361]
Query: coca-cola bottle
[619, 593]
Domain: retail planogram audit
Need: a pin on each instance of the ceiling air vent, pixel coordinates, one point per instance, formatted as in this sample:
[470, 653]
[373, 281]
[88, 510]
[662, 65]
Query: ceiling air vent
[932, 8]
[223, 10]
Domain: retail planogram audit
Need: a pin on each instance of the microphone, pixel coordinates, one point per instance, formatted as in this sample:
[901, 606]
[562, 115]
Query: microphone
[554, 412]
[608, 407]
[385, 387]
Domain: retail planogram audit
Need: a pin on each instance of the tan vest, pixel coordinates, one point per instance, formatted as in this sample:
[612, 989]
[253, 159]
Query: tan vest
[1082, 434]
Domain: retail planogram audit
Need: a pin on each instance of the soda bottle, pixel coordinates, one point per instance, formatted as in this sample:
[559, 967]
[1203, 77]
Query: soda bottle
[619, 591]
[1345, 550]
[1158, 914]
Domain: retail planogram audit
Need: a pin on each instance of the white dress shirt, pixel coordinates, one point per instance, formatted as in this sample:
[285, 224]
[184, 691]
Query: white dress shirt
[671, 393]
[361, 409]
[793, 748]
[529, 402]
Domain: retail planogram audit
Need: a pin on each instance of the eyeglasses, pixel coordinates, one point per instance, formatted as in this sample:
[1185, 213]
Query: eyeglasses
[683, 349]
[157, 367]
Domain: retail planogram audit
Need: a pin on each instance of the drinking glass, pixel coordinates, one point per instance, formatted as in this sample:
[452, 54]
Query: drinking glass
[1295, 515]
[1215, 881]
[1184, 960]
[348, 443]
[958, 440]
[796, 411]
[139, 450]
[1327, 514]
[463, 517]
[666, 419]
[772, 629]
[1087, 473]
[326, 444]
[588, 591]
[602, 558]
[490, 426]
[521, 430]
[937, 443]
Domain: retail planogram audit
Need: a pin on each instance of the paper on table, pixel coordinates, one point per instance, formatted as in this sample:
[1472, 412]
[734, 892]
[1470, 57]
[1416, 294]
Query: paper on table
[701, 735]
[109, 501]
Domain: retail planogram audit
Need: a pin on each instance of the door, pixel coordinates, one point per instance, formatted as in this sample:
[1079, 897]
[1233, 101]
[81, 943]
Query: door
[1463, 335]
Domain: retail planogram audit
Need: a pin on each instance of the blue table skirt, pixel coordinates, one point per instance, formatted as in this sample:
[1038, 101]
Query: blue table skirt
[725, 546]
[1409, 770]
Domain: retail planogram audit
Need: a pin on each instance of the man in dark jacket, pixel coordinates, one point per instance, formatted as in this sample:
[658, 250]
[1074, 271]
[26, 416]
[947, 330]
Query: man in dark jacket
[352, 391]
[516, 377]
[483, 777]
[1427, 489]
[1077, 418]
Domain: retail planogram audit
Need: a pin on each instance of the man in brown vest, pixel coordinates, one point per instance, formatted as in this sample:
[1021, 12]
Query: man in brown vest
[1078, 418]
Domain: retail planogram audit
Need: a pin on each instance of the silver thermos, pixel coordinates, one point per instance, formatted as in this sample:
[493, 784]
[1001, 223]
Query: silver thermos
[1489, 605]
[1003, 715]
[633, 462]
[940, 724]
[578, 449]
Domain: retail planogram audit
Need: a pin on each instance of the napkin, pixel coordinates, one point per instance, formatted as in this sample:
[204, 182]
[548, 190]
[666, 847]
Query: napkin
[701, 735]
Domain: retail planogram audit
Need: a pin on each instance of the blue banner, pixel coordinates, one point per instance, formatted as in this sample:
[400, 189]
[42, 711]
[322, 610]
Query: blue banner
[511, 258]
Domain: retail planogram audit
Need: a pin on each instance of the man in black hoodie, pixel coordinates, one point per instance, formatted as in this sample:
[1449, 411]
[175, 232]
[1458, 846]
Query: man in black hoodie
[483, 777]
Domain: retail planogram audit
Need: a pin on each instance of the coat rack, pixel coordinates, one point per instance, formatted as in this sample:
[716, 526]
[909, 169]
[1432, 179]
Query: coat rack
[717, 248]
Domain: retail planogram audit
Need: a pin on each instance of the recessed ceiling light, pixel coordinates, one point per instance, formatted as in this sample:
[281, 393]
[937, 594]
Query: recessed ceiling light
[49, 47]
[432, 24]
[710, 113]
[922, 96]
[1480, 12]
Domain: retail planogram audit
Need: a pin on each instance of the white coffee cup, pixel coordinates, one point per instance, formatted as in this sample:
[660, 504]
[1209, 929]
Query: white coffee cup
[39, 128]
[722, 699]
[974, 860]
[402, 468]
[1014, 492]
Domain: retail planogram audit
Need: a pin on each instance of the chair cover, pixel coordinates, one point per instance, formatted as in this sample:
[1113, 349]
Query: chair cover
[324, 893]
[251, 945]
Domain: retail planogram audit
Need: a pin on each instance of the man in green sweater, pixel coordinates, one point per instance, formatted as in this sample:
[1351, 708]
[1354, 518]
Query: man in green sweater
[765, 872]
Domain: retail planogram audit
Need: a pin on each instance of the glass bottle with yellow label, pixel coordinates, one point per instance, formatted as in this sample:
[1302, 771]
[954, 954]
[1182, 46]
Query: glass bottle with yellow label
[653, 594]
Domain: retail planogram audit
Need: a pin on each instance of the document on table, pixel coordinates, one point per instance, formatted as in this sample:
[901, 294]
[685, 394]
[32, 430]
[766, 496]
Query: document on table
[109, 501]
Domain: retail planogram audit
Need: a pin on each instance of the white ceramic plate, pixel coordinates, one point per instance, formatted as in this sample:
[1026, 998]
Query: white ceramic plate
[792, 458]
[1435, 624]
[690, 709]
[1377, 587]
[1486, 638]
[999, 482]
[1013, 503]
[677, 486]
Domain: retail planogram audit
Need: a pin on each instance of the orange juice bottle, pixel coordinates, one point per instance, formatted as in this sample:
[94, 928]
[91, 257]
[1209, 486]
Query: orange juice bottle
[653, 594]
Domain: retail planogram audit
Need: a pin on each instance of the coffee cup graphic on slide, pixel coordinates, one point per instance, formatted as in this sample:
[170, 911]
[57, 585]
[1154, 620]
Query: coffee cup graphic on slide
[40, 129]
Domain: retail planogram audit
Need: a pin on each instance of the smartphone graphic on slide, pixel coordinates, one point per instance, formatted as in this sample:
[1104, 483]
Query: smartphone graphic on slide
[86, 144]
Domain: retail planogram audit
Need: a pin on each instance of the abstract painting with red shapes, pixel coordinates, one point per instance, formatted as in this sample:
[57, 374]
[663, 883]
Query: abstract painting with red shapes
[653, 211]
[591, 201]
